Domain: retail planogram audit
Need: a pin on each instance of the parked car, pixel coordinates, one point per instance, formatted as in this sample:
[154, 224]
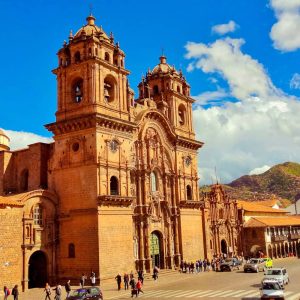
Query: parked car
[229, 264]
[271, 289]
[254, 265]
[89, 293]
[279, 274]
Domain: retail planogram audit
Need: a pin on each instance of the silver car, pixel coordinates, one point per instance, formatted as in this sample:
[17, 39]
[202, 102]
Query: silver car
[279, 274]
[255, 265]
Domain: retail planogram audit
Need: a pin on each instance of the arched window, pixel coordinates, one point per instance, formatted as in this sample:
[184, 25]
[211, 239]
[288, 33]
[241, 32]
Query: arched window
[24, 180]
[155, 90]
[181, 114]
[122, 63]
[77, 57]
[90, 51]
[110, 88]
[71, 250]
[189, 194]
[77, 91]
[178, 89]
[114, 185]
[153, 182]
[38, 215]
[106, 56]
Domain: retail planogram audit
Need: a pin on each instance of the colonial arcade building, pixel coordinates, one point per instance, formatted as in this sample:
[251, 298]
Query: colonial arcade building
[118, 187]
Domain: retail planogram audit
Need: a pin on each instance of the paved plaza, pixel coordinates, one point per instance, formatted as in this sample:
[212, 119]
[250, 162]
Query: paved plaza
[209, 285]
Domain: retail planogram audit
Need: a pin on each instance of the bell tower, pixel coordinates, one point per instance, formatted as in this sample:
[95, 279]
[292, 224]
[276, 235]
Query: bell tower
[169, 89]
[91, 75]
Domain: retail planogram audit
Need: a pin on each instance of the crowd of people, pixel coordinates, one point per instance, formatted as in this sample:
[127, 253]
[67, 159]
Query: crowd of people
[135, 285]
[204, 265]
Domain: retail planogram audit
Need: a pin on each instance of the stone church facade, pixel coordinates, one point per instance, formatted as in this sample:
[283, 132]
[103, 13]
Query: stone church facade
[117, 190]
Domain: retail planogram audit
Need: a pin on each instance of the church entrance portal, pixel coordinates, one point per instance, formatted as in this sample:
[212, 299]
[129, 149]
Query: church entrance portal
[156, 249]
[37, 270]
[223, 246]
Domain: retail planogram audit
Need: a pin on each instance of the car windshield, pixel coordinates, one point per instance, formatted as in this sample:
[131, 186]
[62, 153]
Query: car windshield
[79, 292]
[271, 286]
[273, 272]
[253, 261]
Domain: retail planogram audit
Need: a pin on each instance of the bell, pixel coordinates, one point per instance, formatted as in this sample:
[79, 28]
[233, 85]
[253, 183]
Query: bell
[106, 93]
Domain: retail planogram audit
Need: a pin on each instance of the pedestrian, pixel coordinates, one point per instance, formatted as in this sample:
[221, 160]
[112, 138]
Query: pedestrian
[82, 280]
[155, 273]
[47, 291]
[57, 290]
[131, 275]
[6, 292]
[119, 280]
[200, 265]
[132, 283]
[139, 287]
[93, 279]
[126, 281]
[181, 266]
[15, 292]
[141, 276]
[68, 288]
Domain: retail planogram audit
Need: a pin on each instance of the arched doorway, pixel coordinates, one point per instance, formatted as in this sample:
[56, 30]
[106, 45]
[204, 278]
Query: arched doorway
[223, 246]
[37, 270]
[156, 249]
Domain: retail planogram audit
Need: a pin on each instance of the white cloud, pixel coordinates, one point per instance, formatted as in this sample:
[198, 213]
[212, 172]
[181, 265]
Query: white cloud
[285, 33]
[259, 170]
[21, 139]
[210, 97]
[231, 26]
[295, 82]
[260, 129]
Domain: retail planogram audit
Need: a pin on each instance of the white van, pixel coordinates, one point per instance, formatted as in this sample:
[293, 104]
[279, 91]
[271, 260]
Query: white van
[271, 289]
[280, 274]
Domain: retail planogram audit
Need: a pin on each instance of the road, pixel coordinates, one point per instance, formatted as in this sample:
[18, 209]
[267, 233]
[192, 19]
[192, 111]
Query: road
[214, 285]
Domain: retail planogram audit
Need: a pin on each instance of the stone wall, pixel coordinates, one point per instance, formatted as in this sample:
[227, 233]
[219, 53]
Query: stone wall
[10, 247]
[192, 235]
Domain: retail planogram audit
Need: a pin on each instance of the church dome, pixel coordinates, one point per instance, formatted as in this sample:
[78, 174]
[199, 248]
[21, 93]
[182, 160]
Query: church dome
[4, 141]
[90, 29]
[163, 67]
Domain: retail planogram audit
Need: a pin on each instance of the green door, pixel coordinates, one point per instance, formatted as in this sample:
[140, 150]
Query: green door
[155, 249]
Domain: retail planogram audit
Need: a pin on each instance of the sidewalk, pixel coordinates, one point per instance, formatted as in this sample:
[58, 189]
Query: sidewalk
[108, 287]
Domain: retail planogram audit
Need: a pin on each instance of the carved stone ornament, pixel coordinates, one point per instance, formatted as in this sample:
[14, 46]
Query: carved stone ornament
[154, 209]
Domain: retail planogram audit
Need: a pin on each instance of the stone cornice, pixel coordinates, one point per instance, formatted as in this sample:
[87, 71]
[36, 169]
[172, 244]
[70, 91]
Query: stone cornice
[190, 204]
[89, 121]
[115, 200]
[189, 143]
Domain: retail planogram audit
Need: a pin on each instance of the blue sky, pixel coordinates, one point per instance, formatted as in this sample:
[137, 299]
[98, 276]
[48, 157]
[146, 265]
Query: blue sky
[234, 117]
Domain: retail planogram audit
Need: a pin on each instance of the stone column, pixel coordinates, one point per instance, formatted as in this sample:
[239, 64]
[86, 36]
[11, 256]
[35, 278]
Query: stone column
[141, 246]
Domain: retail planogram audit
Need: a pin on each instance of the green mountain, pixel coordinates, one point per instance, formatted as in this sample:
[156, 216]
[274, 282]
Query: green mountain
[281, 181]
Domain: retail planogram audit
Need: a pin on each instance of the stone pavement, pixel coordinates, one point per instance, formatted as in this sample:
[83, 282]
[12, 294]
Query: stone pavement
[108, 287]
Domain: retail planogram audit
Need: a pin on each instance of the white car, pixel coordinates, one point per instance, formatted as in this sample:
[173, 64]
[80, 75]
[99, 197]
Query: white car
[279, 274]
[271, 289]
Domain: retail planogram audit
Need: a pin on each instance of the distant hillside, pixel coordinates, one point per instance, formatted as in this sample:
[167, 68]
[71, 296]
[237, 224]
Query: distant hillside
[281, 182]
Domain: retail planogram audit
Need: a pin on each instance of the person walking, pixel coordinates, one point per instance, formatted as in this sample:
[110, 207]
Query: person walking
[47, 291]
[15, 292]
[58, 291]
[93, 279]
[155, 273]
[6, 292]
[119, 280]
[141, 276]
[68, 288]
[82, 280]
[139, 286]
[126, 281]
